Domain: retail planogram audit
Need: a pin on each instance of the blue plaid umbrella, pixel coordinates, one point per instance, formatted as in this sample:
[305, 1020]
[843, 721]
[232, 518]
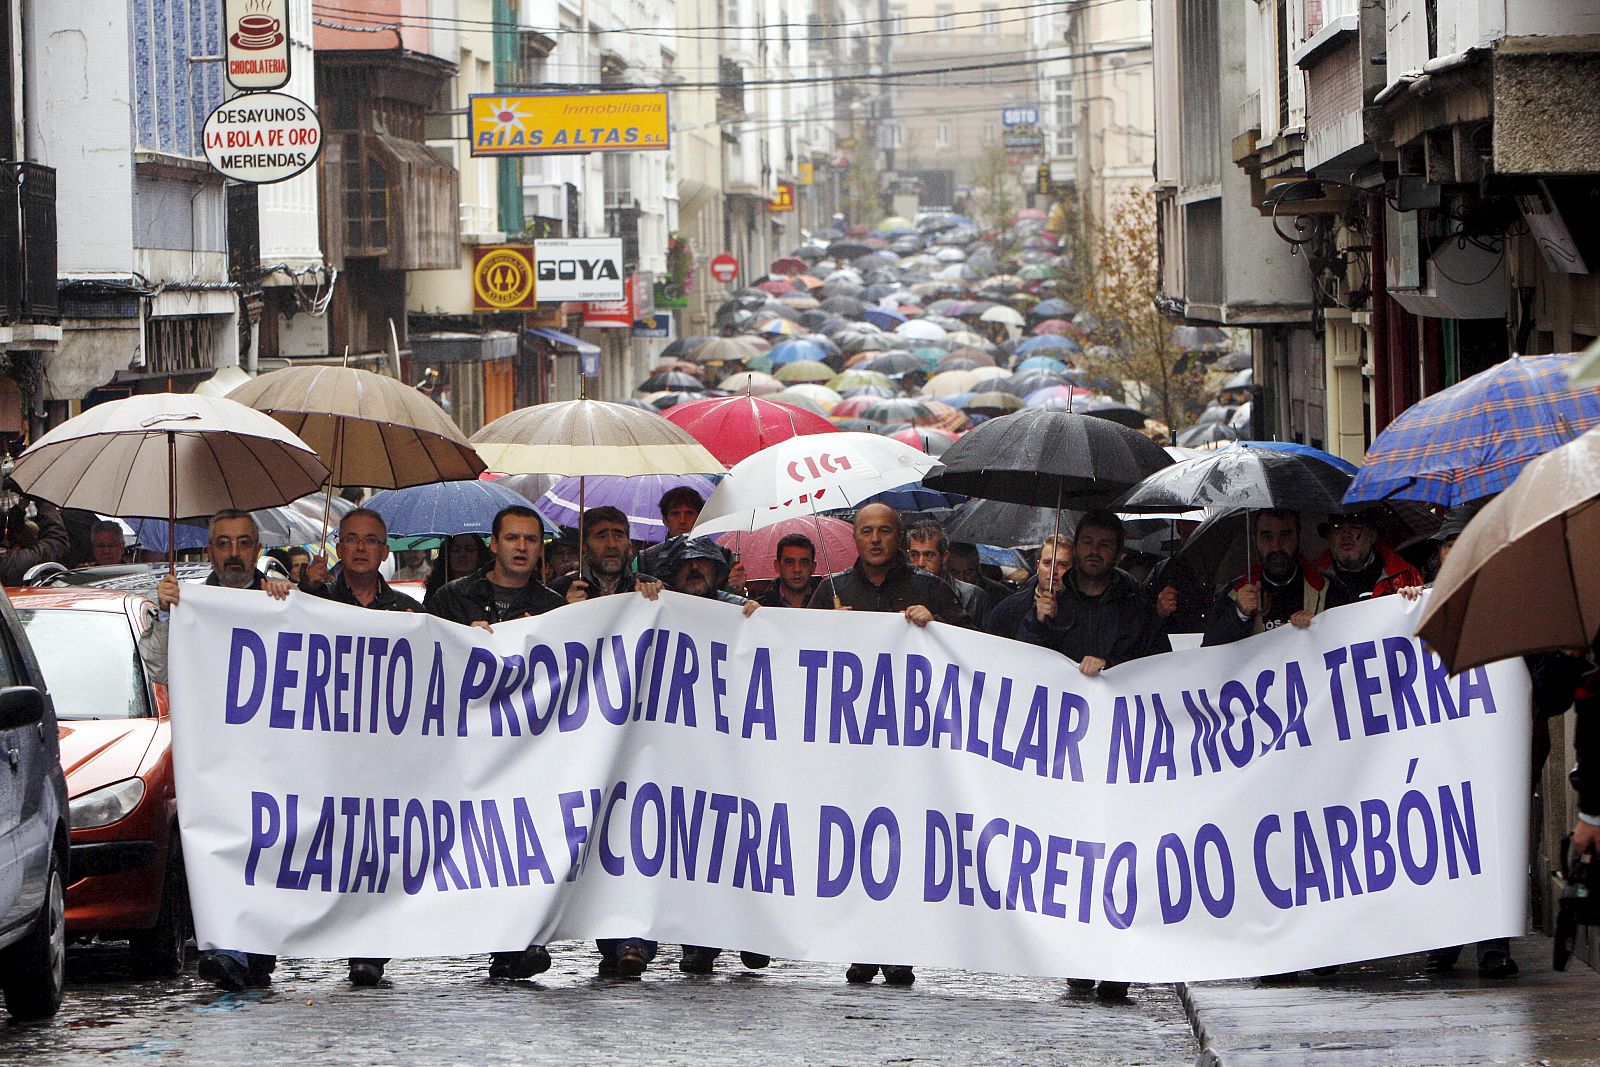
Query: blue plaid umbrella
[1471, 440]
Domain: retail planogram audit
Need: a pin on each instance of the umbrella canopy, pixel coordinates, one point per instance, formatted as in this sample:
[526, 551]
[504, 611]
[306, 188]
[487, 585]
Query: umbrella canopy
[296, 523]
[445, 509]
[1524, 575]
[590, 437]
[116, 458]
[725, 350]
[1043, 364]
[930, 440]
[893, 363]
[996, 522]
[734, 427]
[857, 379]
[638, 497]
[1103, 407]
[883, 318]
[800, 348]
[369, 429]
[804, 370]
[921, 329]
[820, 395]
[672, 381]
[832, 538]
[804, 475]
[1002, 314]
[1470, 440]
[899, 409]
[1048, 458]
[992, 403]
[950, 382]
[942, 416]
[1242, 476]
[752, 382]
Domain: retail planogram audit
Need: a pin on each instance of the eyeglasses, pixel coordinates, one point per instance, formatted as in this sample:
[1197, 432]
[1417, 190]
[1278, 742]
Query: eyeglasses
[228, 544]
[355, 541]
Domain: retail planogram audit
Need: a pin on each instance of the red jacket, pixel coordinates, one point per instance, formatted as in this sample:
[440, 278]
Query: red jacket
[1397, 573]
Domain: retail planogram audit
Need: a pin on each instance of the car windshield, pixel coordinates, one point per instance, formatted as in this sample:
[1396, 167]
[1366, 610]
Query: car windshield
[90, 662]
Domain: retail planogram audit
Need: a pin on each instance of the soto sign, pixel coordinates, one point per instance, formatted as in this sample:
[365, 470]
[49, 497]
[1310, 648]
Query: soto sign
[537, 124]
[261, 138]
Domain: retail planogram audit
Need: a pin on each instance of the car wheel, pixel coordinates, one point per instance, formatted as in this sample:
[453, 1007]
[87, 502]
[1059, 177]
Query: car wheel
[33, 972]
[164, 948]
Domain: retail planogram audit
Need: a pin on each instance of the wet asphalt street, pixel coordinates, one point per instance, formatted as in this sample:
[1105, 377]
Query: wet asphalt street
[447, 1011]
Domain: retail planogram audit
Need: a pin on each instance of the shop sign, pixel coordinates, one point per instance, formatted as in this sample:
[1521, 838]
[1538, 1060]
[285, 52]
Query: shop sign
[502, 278]
[586, 268]
[256, 35]
[261, 138]
[548, 124]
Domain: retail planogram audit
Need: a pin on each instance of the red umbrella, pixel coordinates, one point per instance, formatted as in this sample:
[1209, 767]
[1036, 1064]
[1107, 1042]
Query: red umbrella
[776, 288]
[1057, 327]
[789, 266]
[733, 427]
[929, 439]
[758, 549]
[852, 407]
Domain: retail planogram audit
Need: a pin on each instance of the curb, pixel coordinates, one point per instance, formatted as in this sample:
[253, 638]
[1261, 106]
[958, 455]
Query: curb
[1208, 1055]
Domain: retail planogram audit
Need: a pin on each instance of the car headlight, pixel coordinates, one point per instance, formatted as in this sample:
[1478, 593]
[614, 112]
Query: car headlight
[105, 805]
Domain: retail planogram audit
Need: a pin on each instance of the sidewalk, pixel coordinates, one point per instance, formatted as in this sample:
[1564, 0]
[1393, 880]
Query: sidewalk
[1395, 1012]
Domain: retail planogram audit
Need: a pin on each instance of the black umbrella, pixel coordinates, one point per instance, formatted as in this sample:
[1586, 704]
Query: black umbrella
[893, 363]
[1049, 458]
[674, 381]
[1103, 407]
[995, 522]
[848, 250]
[1242, 476]
[1207, 433]
[848, 306]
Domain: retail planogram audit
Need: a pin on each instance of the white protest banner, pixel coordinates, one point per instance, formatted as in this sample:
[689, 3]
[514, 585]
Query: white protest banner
[839, 787]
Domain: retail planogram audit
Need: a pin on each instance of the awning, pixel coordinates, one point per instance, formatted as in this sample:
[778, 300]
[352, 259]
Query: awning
[556, 337]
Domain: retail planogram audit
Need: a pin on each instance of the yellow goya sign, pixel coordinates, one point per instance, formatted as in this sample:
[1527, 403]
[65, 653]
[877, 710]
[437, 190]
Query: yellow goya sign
[540, 124]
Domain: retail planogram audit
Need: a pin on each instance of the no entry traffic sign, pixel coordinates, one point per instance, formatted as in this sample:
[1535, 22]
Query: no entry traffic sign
[724, 268]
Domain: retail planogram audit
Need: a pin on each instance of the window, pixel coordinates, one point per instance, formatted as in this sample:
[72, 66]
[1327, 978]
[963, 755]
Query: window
[89, 662]
[944, 19]
[366, 199]
[897, 21]
[942, 136]
[990, 132]
[991, 20]
[617, 172]
[1066, 124]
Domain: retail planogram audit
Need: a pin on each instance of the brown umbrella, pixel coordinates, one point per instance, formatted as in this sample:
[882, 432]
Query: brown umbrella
[369, 429]
[177, 456]
[577, 437]
[1524, 576]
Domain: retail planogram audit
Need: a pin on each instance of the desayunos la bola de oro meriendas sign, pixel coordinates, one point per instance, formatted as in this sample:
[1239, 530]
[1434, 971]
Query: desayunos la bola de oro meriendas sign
[261, 138]
[533, 124]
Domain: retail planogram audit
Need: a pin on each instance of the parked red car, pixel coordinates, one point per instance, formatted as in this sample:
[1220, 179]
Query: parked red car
[116, 750]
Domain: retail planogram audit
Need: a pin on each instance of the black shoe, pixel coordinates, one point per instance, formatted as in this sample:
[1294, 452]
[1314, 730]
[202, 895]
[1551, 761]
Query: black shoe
[1112, 991]
[1443, 960]
[1497, 965]
[754, 960]
[365, 973]
[698, 959]
[608, 967]
[630, 961]
[535, 959]
[861, 973]
[224, 972]
[898, 975]
[1081, 985]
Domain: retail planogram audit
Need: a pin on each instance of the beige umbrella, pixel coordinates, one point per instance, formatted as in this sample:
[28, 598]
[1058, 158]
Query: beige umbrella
[1524, 576]
[583, 437]
[950, 383]
[578, 437]
[752, 382]
[1585, 370]
[369, 429]
[179, 456]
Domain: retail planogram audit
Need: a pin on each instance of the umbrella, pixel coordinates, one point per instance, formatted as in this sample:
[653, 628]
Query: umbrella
[1002, 314]
[996, 522]
[941, 416]
[662, 401]
[899, 409]
[725, 350]
[1524, 575]
[1057, 397]
[590, 437]
[1103, 407]
[1042, 457]
[1044, 364]
[1470, 440]
[295, 523]
[172, 455]
[852, 407]
[1051, 309]
[752, 382]
[856, 379]
[445, 509]
[530, 486]
[369, 429]
[781, 327]
[801, 348]
[949, 383]
[1242, 475]
[848, 306]
[883, 318]
[921, 329]
[908, 498]
[1585, 370]
[1046, 344]
[893, 363]
[874, 392]
[833, 539]
[1207, 433]
[734, 427]
[992, 403]
[788, 266]
[804, 475]
[671, 382]
[804, 370]
[638, 497]
[820, 395]
[932, 441]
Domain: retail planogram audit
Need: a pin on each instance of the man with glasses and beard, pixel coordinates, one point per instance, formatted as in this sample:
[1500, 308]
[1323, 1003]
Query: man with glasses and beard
[233, 544]
[1359, 565]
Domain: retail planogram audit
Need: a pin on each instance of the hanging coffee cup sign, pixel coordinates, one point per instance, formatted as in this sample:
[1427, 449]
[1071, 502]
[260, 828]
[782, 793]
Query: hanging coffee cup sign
[256, 33]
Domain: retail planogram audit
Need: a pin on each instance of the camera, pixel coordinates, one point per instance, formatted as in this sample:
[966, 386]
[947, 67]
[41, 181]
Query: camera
[1577, 889]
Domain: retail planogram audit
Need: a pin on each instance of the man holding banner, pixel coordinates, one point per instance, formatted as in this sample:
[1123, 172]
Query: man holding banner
[882, 580]
[506, 589]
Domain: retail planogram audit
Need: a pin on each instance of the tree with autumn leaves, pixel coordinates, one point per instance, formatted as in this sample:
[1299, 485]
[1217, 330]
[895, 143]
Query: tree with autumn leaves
[1130, 340]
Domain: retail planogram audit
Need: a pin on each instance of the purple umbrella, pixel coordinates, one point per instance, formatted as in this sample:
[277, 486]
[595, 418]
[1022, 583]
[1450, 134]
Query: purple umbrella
[638, 498]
